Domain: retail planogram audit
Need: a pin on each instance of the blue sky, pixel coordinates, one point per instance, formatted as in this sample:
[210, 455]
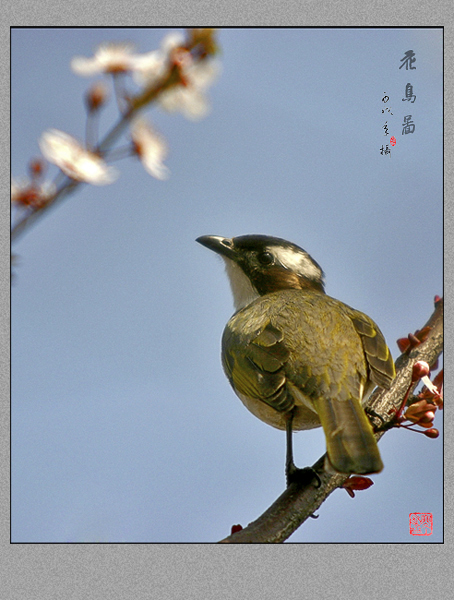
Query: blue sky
[124, 427]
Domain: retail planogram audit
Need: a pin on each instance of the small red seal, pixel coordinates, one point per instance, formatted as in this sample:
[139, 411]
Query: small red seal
[421, 523]
[393, 141]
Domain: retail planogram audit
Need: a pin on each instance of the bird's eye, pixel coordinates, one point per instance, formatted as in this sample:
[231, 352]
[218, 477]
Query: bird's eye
[265, 258]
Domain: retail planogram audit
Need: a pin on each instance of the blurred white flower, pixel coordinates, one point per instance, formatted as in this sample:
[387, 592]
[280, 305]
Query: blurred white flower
[111, 57]
[188, 95]
[150, 147]
[154, 65]
[74, 160]
[30, 193]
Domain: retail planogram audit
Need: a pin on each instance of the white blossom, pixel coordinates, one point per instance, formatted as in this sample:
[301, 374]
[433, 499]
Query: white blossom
[154, 65]
[190, 98]
[30, 192]
[189, 95]
[74, 160]
[111, 57]
[150, 148]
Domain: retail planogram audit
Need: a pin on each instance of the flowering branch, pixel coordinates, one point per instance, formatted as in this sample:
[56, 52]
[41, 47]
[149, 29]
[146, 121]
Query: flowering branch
[175, 77]
[299, 502]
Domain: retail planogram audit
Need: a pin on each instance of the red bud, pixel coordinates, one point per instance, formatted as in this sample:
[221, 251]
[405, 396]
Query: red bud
[427, 418]
[36, 168]
[403, 344]
[96, 96]
[356, 482]
[420, 369]
[432, 433]
[423, 334]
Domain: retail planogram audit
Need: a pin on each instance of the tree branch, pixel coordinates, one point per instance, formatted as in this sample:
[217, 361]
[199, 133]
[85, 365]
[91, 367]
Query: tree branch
[298, 502]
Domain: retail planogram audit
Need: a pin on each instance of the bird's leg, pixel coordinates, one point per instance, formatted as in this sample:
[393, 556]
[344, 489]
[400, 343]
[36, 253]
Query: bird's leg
[290, 467]
[372, 414]
[292, 473]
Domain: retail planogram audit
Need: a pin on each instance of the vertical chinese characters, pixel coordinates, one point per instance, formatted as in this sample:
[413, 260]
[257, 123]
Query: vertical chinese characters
[385, 150]
[408, 126]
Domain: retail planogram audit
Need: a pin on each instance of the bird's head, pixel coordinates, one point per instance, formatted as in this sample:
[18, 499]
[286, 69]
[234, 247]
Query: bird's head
[260, 264]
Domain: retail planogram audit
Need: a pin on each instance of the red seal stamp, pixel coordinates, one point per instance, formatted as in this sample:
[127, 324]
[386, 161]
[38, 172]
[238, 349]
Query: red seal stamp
[421, 523]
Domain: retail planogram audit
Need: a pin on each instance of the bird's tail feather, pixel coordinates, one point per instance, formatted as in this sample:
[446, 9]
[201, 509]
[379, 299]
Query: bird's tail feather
[350, 440]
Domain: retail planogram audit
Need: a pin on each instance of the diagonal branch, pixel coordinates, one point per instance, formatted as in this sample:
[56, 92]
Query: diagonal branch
[298, 502]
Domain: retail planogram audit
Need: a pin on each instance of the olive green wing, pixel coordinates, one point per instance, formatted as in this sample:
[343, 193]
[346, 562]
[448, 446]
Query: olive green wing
[254, 365]
[378, 355]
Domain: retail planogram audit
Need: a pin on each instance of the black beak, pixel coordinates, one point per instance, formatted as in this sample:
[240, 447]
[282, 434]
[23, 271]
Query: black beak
[220, 245]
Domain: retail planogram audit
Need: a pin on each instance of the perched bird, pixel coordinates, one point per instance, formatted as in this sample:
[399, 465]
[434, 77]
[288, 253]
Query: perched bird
[296, 357]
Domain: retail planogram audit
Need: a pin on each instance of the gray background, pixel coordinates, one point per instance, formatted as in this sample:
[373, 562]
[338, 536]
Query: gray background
[311, 166]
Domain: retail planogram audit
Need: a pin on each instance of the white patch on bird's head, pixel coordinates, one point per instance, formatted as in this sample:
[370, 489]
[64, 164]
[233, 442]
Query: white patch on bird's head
[242, 289]
[297, 261]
